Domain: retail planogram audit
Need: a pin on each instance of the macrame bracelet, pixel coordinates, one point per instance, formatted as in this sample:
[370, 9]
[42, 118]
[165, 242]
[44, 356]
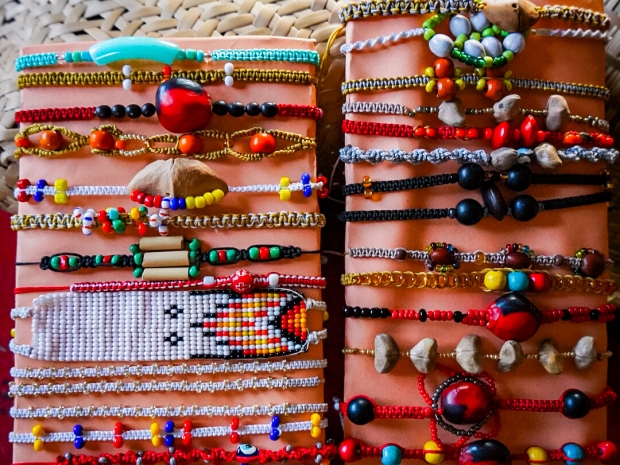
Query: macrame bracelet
[511, 317]
[443, 257]
[469, 355]
[165, 412]
[244, 453]
[133, 111]
[148, 48]
[481, 451]
[500, 280]
[501, 159]
[179, 325]
[108, 141]
[119, 435]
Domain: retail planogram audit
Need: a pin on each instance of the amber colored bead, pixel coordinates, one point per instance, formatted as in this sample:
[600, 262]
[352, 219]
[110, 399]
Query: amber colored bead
[444, 68]
[50, 140]
[101, 140]
[496, 89]
[446, 89]
[120, 144]
[190, 144]
[262, 143]
[22, 142]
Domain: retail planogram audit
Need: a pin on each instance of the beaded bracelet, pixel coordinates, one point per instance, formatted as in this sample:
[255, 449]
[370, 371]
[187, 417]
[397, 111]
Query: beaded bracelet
[501, 159]
[482, 451]
[244, 453]
[469, 355]
[165, 412]
[108, 141]
[148, 48]
[556, 114]
[443, 257]
[511, 317]
[119, 435]
[180, 325]
[153, 369]
[501, 280]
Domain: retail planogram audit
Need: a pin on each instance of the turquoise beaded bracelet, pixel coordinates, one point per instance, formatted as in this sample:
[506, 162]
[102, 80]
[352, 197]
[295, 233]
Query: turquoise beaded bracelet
[148, 48]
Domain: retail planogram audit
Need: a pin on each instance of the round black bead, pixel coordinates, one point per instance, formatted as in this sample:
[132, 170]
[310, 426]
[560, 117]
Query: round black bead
[385, 313]
[220, 108]
[595, 314]
[348, 312]
[519, 178]
[252, 109]
[471, 176]
[103, 112]
[576, 404]
[133, 111]
[236, 109]
[524, 208]
[423, 315]
[566, 316]
[118, 111]
[375, 312]
[469, 212]
[458, 316]
[269, 109]
[148, 110]
[357, 312]
[360, 411]
[364, 312]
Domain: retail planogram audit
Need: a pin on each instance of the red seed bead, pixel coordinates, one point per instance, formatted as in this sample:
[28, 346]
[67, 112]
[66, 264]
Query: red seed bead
[460, 133]
[235, 437]
[190, 144]
[22, 196]
[117, 441]
[106, 226]
[102, 215]
[118, 428]
[446, 89]
[529, 131]
[140, 197]
[221, 256]
[488, 133]
[101, 140]
[64, 262]
[419, 131]
[23, 183]
[187, 425]
[120, 209]
[501, 135]
[22, 142]
[142, 229]
[120, 144]
[157, 201]
[134, 195]
[472, 133]
[444, 68]
[263, 253]
[542, 137]
[350, 450]
[262, 143]
[607, 451]
[539, 282]
[148, 201]
[50, 140]
[187, 438]
[234, 423]
[167, 71]
[431, 133]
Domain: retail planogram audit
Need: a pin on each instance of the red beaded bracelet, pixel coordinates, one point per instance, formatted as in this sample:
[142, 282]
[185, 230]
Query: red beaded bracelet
[511, 317]
[501, 135]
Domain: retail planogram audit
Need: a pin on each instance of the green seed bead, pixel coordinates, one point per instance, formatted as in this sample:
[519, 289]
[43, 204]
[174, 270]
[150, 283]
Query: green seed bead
[55, 263]
[496, 29]
[274, 252]
[254, 253]
[98, 259]
[458, 45]
[137, 258]
[475, 36]
[190, 54]
[469, 60]
[115, 260]
[143, 210]
[504, 33]
[231, 255]
[428, 34]
[193, 256]
[118, 226]
[488, 32]
[194, 271]
[462, 38]
[508, 55]
[73, 262]
[488, 62]
[456, 53]
[77, 57]
[213, 256]
[137, 272]
[134, 248]
[194, 244]
[427, 24]
[180, 55]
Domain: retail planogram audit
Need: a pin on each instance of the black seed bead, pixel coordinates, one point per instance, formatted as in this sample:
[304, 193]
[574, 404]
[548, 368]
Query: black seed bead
[252, 109]
[148, 110]
[469, 212]
[519, 178]
[594, 314]
[118, 111]
[357, 312]
[375, 312]
[236, 109]
[364, 312]
[566, 316]
[348, 312]
[385, 313]
[458, 316]
[220, 108]
[103, 112]
[524, 208]
[423, 315]
[133, 111]
[269, 109]
[471, 176]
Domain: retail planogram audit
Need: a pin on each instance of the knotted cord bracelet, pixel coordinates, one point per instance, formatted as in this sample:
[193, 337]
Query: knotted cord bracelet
[469, 355]
[481, 451]
[442, 257]
[469, 212]
[511, 317]
[109, 141]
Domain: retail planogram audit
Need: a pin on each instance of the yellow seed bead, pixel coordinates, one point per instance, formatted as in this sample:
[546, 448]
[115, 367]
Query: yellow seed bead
[537, 455]
[61, 184]
[432, 457]
[155, 429]
[430, 71]
[430, 85]
[460, 83]
[209, 199]
[12, 332]
[38, 430]
[285, 182]
[495, 280]
[508, 85]
[200, 201]
[315, 432]
[481, 84]
[38, 445]
[190, 202]
[60, 197]
[285, 195]
[325, 316]
[156, 441]
[315, 419]
[134, 213]
[218, 194]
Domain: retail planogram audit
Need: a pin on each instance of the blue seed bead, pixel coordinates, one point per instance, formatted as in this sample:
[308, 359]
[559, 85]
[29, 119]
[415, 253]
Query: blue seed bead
[113, 214]
[305, 178]
[573, 453]
[182, 205]
[275, 421]
[169, 426]
[169, 440]
[86, 56]
[41, 183]
[518, 281]
[79, 443]
[174, 203]
[200, 56]
[274, 435]
[68, 57]
[38, 196]
[78, 430]
[307, 191]
[391, 455]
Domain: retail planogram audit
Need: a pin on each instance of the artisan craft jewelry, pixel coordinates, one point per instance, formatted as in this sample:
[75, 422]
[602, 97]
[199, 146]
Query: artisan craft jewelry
[469, 355]
[510, 317]
[108, 140]
[443, 257]
[501, 159]
[159, 325]
[481, 451]
[502, 280]
[119, 435]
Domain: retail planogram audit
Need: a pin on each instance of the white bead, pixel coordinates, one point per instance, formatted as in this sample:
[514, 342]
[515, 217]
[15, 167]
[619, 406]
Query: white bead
[127, 84]
[87, 230]
[208, 280]
[164, 213]
[473, 48]
[441, 45]
[229, 81]
[229, 68]
[163, 229]
[154, 220]
[126, 70]
[492, 46]
[77, 213]
[479, 21]
[514, 42]
[460, 24]
[165, 203]
[274, 279]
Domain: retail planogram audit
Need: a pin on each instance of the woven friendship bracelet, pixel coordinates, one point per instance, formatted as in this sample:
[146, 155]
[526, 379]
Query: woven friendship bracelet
[470, 356]
[442, 257]
[489, 279]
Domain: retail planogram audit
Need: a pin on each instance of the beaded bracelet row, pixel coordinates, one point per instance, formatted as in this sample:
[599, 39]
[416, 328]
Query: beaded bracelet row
[469, 212]
[181, 325]
[469, 355]
[122, 411]
[511, 317]
[556, 113]
[501, 159]
[119, 435]
[443, 257]
[118, 49]
[481, 451]
[108, 140]
[500, 280]
[169, 370]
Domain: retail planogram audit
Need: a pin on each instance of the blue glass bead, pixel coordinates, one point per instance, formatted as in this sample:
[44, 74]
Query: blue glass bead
[576, 404]
[305, 178]
[391, 455]
[113, 214]
[174, 203]
[41, 183]
[78, 430]
[307, 191]
[38, 196]
[182, 203]
[68, 57]
[573, 453]
[274, 435]
[169, 440]
[169, 426]
[449, 247]
[275, 421]
[79, 443]
[518, 281]
[86, 56]
[200, 56]
[133, 48]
